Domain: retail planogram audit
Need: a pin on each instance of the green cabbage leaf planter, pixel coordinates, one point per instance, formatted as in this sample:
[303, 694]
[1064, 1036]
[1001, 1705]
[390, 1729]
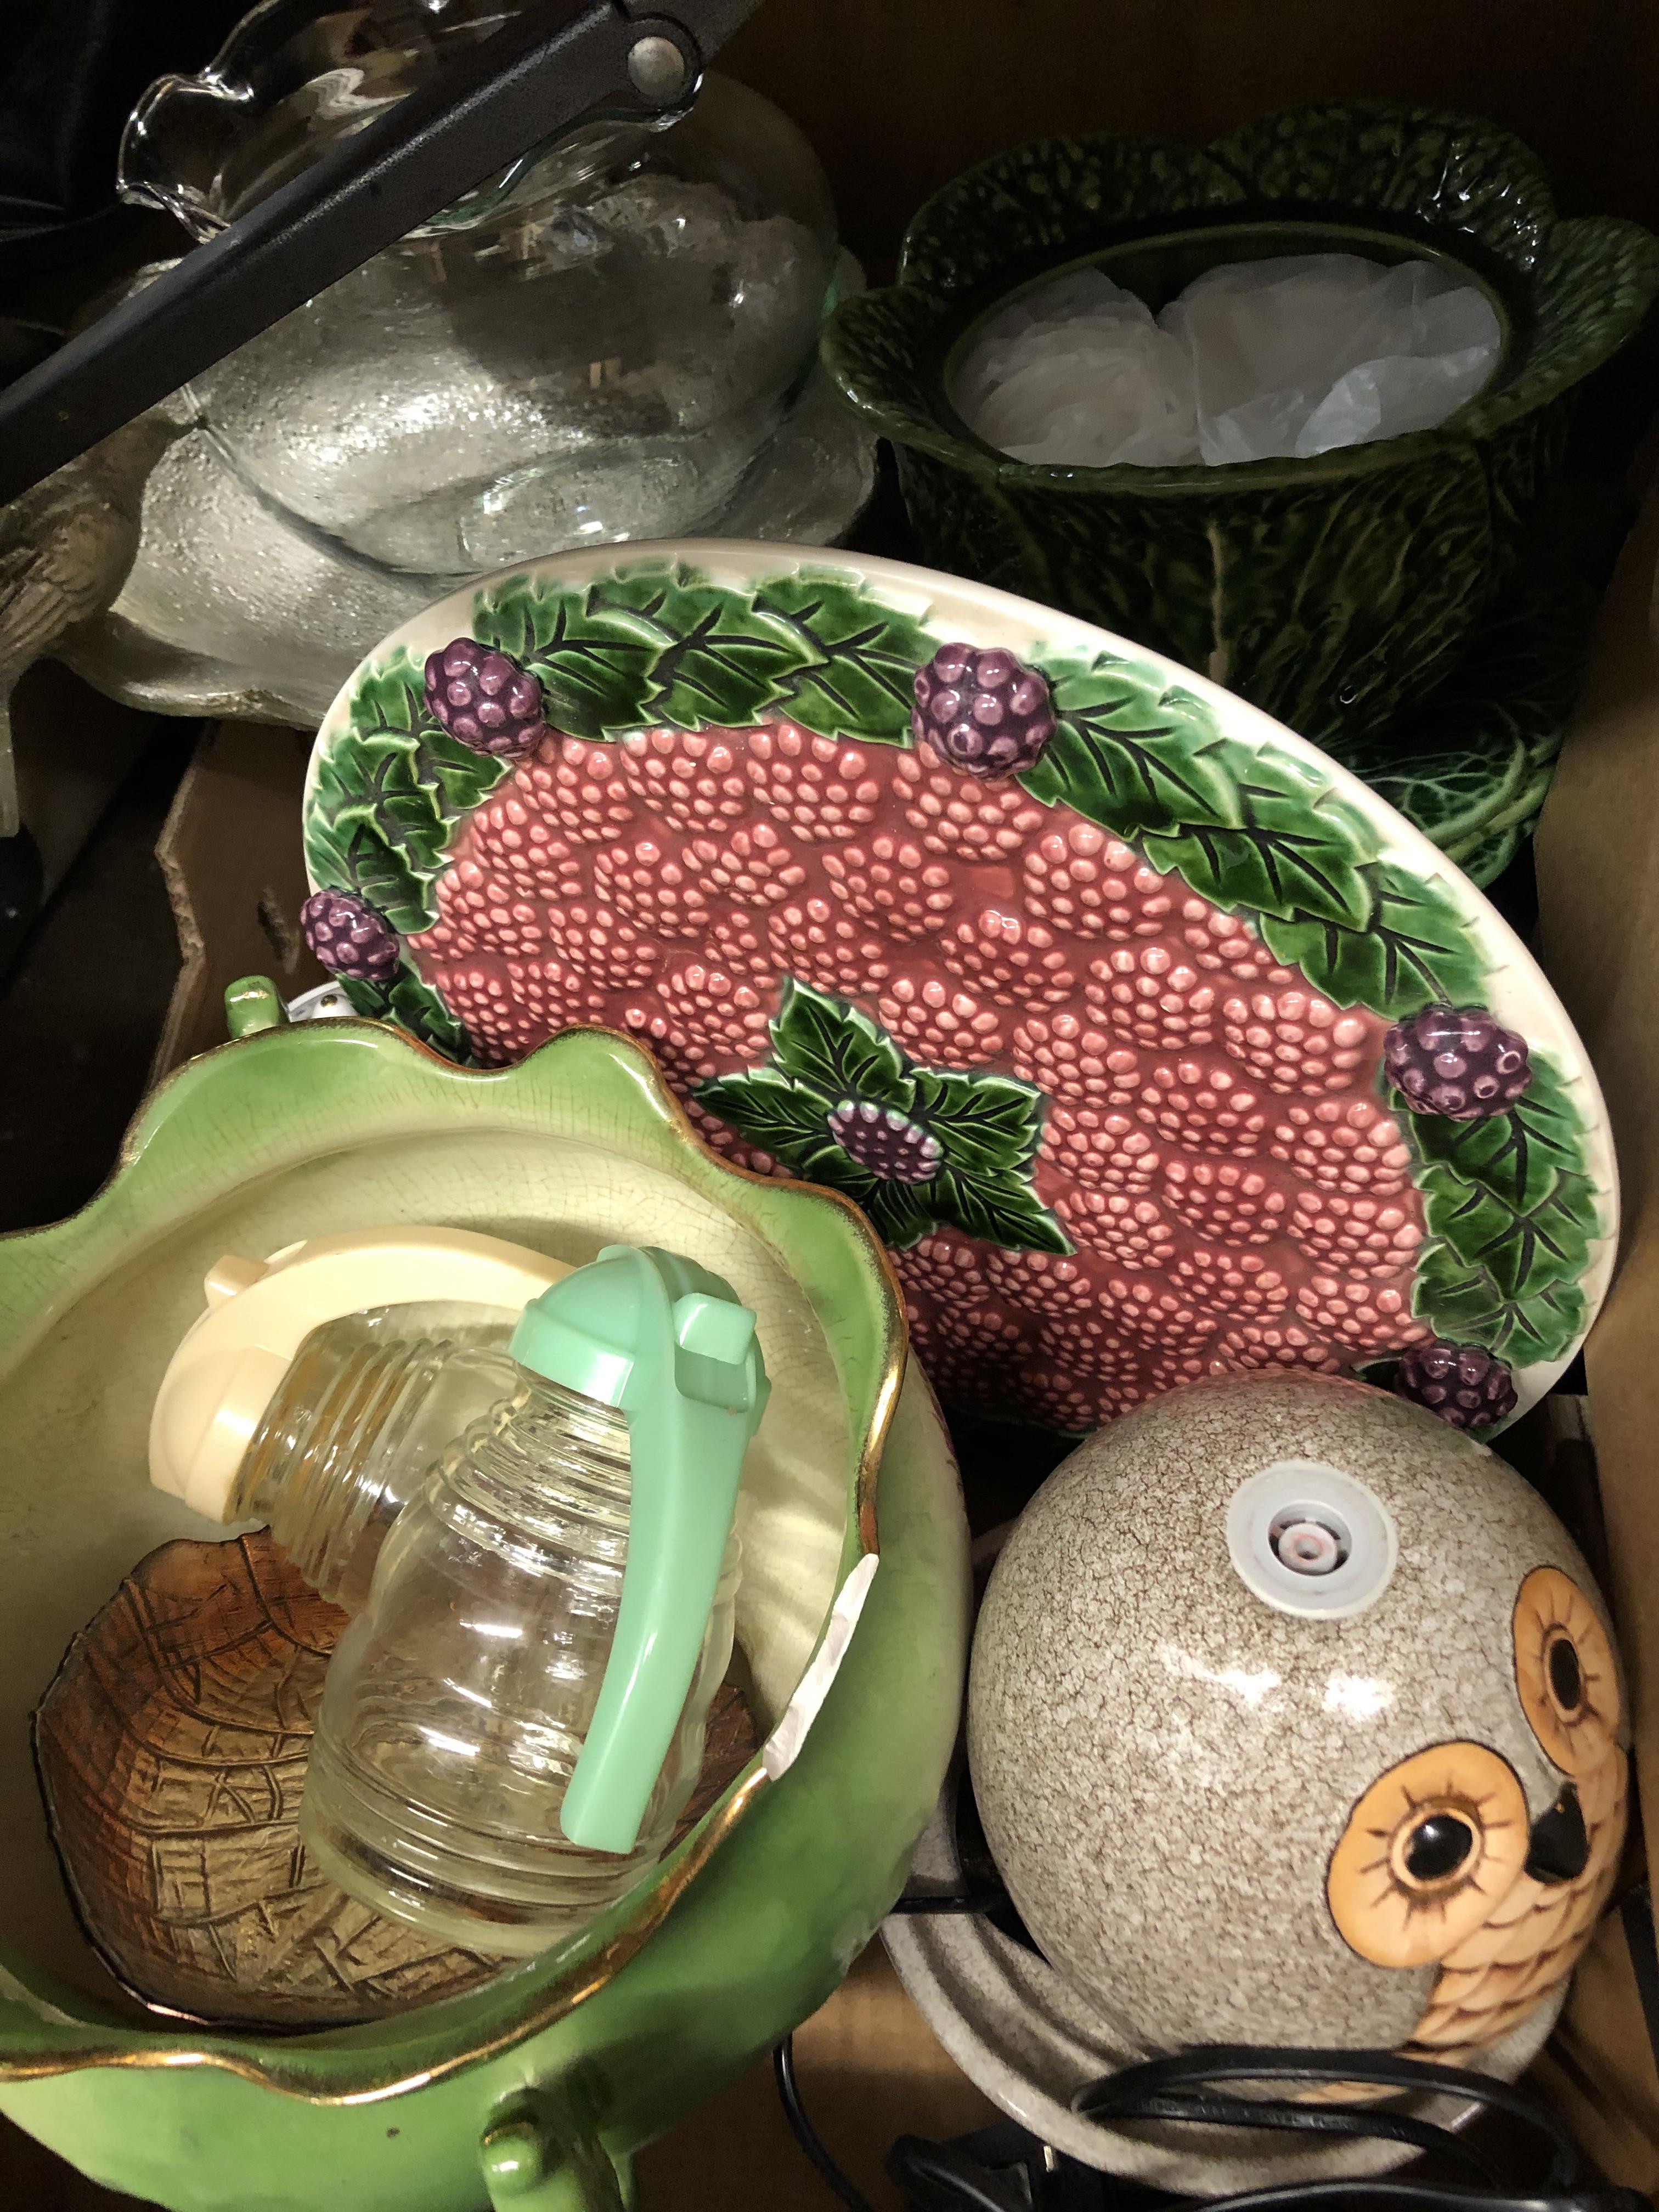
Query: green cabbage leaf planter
[1330, 591]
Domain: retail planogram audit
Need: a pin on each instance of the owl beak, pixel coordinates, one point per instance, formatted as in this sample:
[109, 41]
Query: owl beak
[1561, 1844]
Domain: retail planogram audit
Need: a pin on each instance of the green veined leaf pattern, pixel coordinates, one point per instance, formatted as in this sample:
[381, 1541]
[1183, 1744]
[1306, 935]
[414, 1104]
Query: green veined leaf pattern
[414, 1006]
[1512, 1216]
[390, 791]
[825, 1053]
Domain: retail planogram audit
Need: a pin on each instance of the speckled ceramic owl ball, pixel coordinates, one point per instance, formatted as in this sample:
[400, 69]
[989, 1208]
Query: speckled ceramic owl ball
[1294, 1718]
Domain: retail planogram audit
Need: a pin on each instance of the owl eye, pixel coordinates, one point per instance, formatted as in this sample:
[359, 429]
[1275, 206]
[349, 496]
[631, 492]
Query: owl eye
[1564, 1671]
[1566, 1676]
[1437, 1848]
[1427, 1852]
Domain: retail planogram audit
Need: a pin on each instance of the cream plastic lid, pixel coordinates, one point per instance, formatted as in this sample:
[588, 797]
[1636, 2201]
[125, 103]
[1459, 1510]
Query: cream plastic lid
[230, 1362]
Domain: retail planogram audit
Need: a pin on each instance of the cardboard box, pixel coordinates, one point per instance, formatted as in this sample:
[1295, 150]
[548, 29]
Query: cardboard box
[897, 98]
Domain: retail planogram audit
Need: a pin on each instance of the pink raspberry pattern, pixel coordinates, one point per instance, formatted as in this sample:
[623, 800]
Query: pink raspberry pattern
[1240, 1285]
[685, 1061]
[757, 867]
[1261, 1345]
[647, 880]
[510, 1006]
[893, 884]
[1067, 1057]
[1344, 1143]
[1058, 1395]
[817, 940]
[1218, 940]
[610, 952]
[1150, 1313]
[1100, 1150]
[1091, 1349]
[1362, 1236]
[1368, 1317]
[1296, 1040]
[1194, 1103]
[718, 1009]
[693, 780]
[1010, 959]
[514, 846]
[1153, 996]
[1082, 879]
[944, 1266]
[971, 1353]
[934, 1022]
[1042, 1282]
[1130, 1231]
[589, 794]
[1113, 1141]
[968, 820]
[1227, 1202]
[816, 789]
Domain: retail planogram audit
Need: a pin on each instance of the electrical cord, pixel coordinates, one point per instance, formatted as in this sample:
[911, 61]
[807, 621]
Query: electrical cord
[1007, 2170]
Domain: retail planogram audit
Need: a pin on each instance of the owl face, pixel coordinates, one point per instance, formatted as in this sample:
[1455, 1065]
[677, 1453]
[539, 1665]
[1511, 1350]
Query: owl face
[1230, 1817]
[1440, 1864]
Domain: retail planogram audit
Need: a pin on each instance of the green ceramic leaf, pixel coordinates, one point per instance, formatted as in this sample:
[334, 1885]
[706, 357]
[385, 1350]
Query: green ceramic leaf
[1452, 172]
[721, 658]
[1512, 1216]
[1415, 949]
[903, 1211]
[1124, 755]
[990, 1124]
[773, 1111]
[390, 790]
[1273, 863]
[825, 1051]
[856, 675]
[1002, 1208]
[840, 1052]
[414, 1006]
[1466, 1307]
[592, 656]
[1518, 1154]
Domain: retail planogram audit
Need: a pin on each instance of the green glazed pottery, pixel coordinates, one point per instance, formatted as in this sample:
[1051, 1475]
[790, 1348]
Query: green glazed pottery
[1472, 766]
[1328, 590]
[533, 2088]
[1103, 1033]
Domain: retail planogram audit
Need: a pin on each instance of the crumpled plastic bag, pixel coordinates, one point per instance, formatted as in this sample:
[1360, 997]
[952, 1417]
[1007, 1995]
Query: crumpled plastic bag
[1078, 372]
[1294, 357]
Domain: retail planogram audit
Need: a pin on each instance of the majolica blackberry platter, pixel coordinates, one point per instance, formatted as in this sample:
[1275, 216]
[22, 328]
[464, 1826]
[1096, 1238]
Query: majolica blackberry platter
[1153, 1043]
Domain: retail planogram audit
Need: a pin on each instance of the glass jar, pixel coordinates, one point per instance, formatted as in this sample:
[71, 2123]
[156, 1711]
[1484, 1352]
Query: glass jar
[511, 1726]
[457, 1705]
[353, 1430]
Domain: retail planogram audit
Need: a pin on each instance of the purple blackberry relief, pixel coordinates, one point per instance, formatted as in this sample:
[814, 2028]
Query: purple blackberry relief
[484, 699]
[885, 1142]
[985, 713]
[1467, 1387]
[1457, 1062]
[349, 938]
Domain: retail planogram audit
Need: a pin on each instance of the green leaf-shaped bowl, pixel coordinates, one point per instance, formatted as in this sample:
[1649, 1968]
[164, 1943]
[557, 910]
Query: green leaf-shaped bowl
[572, 2059]
[1330, 591]
[1096, 1046]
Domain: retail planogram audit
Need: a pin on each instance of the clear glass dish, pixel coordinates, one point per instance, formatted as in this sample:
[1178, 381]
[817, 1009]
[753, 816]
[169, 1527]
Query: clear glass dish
[616, 339]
